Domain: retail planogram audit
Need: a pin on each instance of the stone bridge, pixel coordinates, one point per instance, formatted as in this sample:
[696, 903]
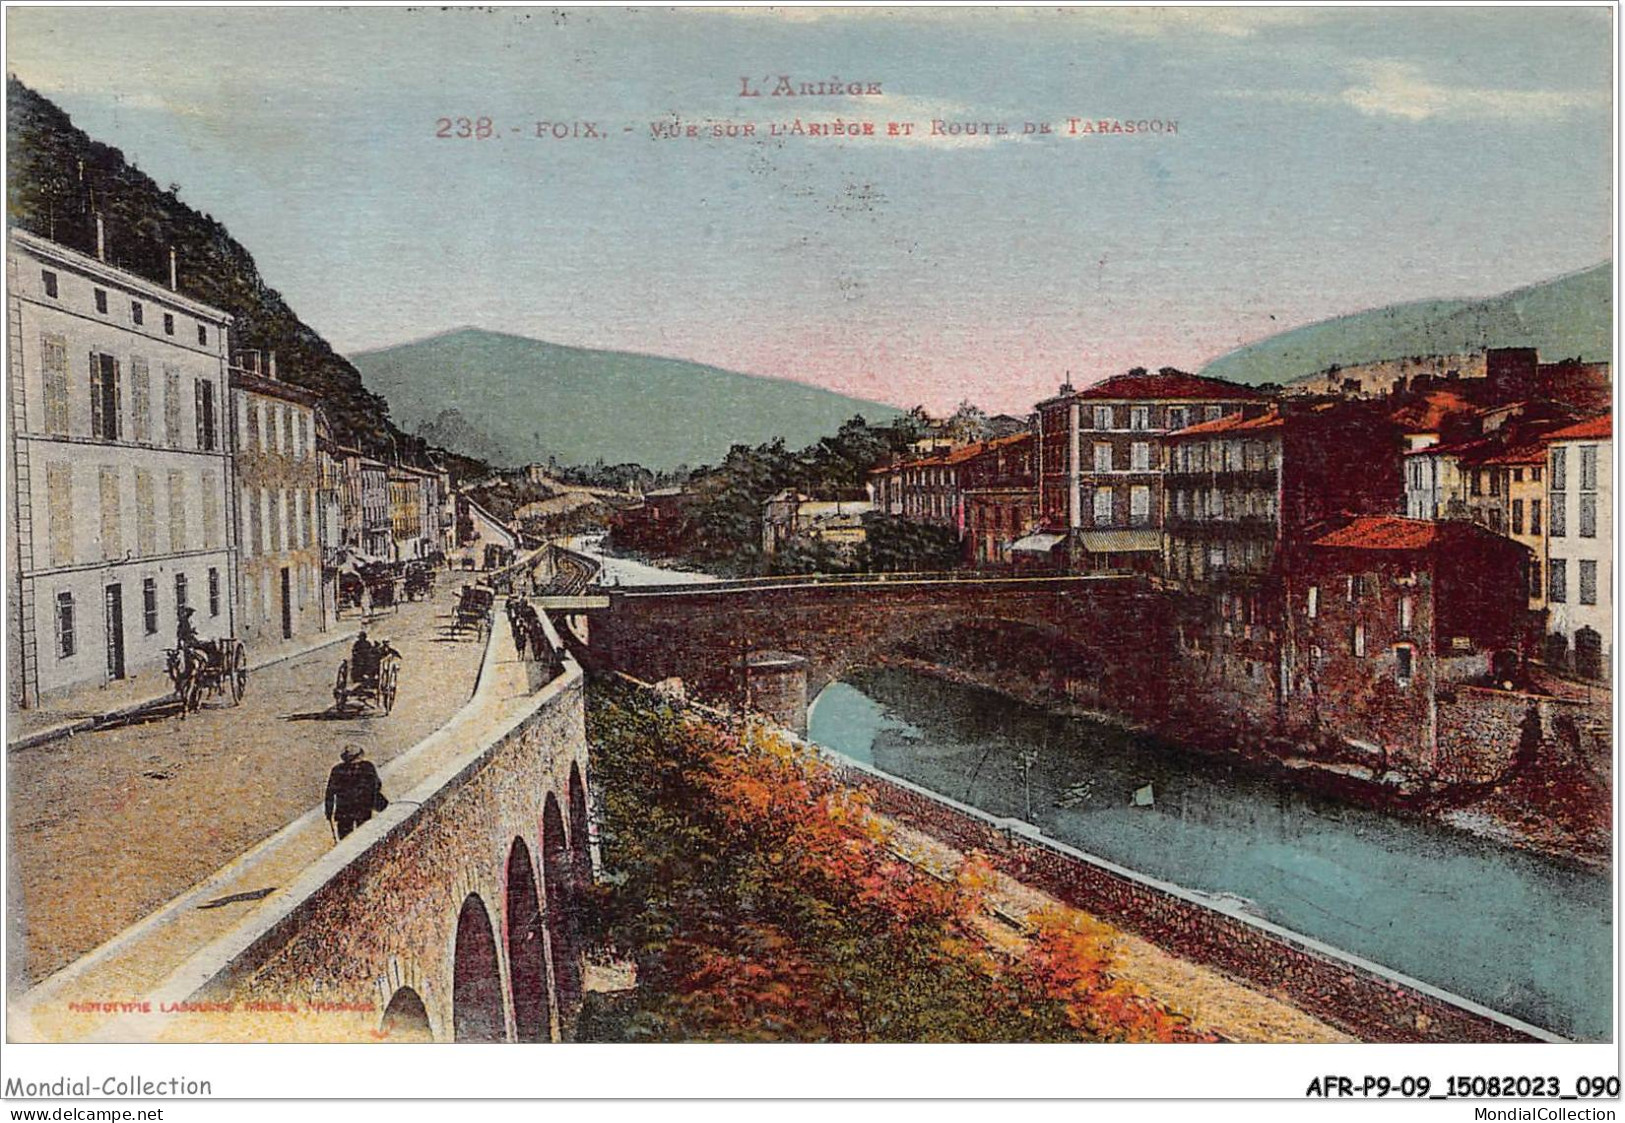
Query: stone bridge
[774, 643]
[450, 916]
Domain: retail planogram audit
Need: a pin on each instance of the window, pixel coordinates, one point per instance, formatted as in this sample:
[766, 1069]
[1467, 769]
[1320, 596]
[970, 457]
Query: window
[178, 538]
[1534, 579]
[251, 542]
[202, 336]
[180, 594]
[203, 404]
[210, 484]
[101, 301]
[1140, 456]
[135, 312]
[104, 397]
[146, 515]
[1560, 469]
[1357, 641]
[1557, 577]
[1517, 516]
[140, 401]
[1477, 478]
[1139, 417]
[169, 324]
[1103, 506]
[48, 280]
[1103, 417]
[1311, 602]
[149, 606]
[1495, 482]
[1404, 662]
[1588, 582]
[1176, 417]
[1139, 506]
[112, 531]
[1534, 475]
[172, 407]
[54, 366]
[1534, 516]
[1103, 458]
[1517, 475]
[1588, 516]
[65, 645]
[1407, 611]
[1588, 467]
[1560, 512]
[214, 591]
[1214, 413]
[59, 500]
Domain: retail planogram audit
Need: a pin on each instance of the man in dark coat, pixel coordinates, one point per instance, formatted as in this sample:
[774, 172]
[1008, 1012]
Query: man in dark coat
[354, 791]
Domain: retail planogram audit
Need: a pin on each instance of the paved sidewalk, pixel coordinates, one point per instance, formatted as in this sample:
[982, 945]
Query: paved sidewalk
[82, 709]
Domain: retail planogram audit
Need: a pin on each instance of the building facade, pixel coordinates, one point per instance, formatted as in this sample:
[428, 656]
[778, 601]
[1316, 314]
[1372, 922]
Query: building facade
[1001, 499]
[1579, 546]
[1383, 615]
[120, 504]
[1101, 459]
[285, 590]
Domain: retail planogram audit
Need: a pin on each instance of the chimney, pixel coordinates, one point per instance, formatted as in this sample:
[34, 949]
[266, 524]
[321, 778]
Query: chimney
[173, 287]
[101, 238]
[270, 365]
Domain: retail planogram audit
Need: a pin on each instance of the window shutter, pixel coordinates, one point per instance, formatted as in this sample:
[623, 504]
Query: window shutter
[197, 409]
[118, 398]
[96, 419]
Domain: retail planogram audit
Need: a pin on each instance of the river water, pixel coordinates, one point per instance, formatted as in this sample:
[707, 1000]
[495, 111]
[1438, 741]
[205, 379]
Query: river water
[1516, 932]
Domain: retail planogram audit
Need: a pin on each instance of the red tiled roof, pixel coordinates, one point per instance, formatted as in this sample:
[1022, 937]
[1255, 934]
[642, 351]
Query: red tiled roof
[1172, 385]
[1382, 532]
[957, 456]
[1233, 423]
[1517, 454]
[1431, 411]
[1592, 429]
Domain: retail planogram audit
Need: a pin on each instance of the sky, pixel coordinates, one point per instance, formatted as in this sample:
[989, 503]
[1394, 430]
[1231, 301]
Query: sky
[1320, 161]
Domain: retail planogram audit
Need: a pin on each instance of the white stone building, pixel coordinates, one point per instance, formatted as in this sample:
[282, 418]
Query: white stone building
[119, 505]
[1580, 542]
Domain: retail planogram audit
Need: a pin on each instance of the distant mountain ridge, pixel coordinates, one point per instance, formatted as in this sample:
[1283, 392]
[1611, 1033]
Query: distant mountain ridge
[1567, 317]
[518, 400]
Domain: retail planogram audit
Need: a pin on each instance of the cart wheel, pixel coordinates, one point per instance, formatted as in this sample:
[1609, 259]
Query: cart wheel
[341, 684]
[386, 685]
[237, 676]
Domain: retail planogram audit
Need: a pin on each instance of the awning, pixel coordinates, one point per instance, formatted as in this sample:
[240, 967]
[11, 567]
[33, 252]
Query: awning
[1121, 541]
[1039, 543]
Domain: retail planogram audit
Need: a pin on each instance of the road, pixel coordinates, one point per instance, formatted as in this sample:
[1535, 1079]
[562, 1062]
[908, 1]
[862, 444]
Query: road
[107, 826]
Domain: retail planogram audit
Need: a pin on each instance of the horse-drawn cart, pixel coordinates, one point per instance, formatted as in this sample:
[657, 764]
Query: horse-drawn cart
[218, 668]
[371, 683]
[473, 611]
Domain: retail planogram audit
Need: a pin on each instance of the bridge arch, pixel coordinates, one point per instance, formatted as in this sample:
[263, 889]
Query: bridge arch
[477, 1012]
[1038, 648]
[527, 947]
[406, 1019]
[558, 883]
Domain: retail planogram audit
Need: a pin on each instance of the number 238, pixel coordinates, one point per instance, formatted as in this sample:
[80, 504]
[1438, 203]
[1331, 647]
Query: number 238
[464, 128]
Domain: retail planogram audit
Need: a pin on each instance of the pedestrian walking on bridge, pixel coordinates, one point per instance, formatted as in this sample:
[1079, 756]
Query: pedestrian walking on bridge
[354, 792]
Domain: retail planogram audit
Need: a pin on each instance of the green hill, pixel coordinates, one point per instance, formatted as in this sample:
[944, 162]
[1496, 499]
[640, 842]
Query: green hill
[521, 400]
[1569, 317]
[59, 179]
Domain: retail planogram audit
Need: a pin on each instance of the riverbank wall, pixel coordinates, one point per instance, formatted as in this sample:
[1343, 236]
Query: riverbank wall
[1353, 994]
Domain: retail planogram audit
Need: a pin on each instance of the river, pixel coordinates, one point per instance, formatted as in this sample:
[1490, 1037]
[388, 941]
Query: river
[1517, 932]
[617, 572]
